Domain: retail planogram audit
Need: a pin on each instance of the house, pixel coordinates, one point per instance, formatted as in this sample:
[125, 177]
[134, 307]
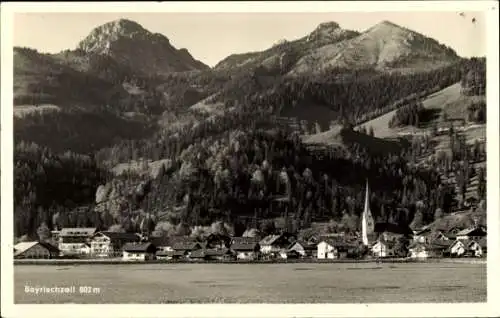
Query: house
[185, 246]
[473, 233]
[428, 235]
[139, 251]
[274, 243]
[73, 241]
[435, 249]
[85, 250]
[109, 244]
[35, 250]
[212, 254]
[383, 248]
[332, 248]
[246, 248]
[474, 249]
[304, 249]
[458, 248]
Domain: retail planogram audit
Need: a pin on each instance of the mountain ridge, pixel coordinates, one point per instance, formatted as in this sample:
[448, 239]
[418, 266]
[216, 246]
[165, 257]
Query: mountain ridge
[132, 45]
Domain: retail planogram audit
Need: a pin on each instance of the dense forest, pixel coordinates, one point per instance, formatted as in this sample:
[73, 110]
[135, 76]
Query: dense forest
[234, 168]
[244, 178]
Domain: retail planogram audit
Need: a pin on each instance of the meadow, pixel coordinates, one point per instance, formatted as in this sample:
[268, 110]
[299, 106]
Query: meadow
[256, 283]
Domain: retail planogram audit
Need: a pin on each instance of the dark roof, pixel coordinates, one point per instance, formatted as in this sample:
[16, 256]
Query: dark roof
[392, 228]
[184, 243]
[139, 247]
[245, 246]
[245, 240]
[130, 237]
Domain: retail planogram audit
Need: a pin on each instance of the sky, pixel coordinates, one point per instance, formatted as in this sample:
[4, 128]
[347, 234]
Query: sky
[210, 37]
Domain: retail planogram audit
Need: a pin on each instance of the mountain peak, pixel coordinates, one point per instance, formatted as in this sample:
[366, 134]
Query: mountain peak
[388, 23]
[388, 26]
[328, 25]
[328, 32]
[131, 44]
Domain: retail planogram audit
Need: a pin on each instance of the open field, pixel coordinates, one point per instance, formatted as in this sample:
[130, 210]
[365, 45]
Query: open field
[448, 100]
[437, 101]
[256, 283]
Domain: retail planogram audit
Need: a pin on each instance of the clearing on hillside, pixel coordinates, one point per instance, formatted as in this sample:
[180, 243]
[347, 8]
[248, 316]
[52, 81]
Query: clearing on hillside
[449, 101]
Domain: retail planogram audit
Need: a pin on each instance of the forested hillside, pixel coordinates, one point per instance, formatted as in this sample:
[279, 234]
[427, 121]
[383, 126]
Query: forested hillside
[244, 164]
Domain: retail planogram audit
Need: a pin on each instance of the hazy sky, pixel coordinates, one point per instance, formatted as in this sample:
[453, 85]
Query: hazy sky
[210, 37]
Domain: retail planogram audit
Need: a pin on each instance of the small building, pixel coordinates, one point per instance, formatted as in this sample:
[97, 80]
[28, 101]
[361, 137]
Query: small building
[139, 251]
[110, 244]
[185, 246]
[304, 249]
[246, 248]
[274, 243]
[211, 254]
[332, 249]
[428, 235]
[382, 248]
[459, 248]
[477, 248]
[429, 250]
[74, 241]
[35, 250]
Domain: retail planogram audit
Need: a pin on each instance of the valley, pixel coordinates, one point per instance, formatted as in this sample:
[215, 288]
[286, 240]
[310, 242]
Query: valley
[127, 131]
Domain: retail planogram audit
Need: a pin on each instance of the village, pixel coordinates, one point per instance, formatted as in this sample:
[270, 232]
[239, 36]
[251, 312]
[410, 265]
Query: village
[89, 244]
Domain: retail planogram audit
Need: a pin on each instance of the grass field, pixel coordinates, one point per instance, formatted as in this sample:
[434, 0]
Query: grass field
[436, 101]
[256, 283]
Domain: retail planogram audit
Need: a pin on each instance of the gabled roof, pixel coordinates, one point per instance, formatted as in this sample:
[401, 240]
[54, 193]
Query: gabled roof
[22, 247]
[78, 231]
[185, 244]
[305, 245]
[139, 247]
[128, 237]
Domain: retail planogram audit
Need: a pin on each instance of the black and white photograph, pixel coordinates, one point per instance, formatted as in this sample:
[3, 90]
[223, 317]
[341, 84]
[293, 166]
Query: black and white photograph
[257, 156]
